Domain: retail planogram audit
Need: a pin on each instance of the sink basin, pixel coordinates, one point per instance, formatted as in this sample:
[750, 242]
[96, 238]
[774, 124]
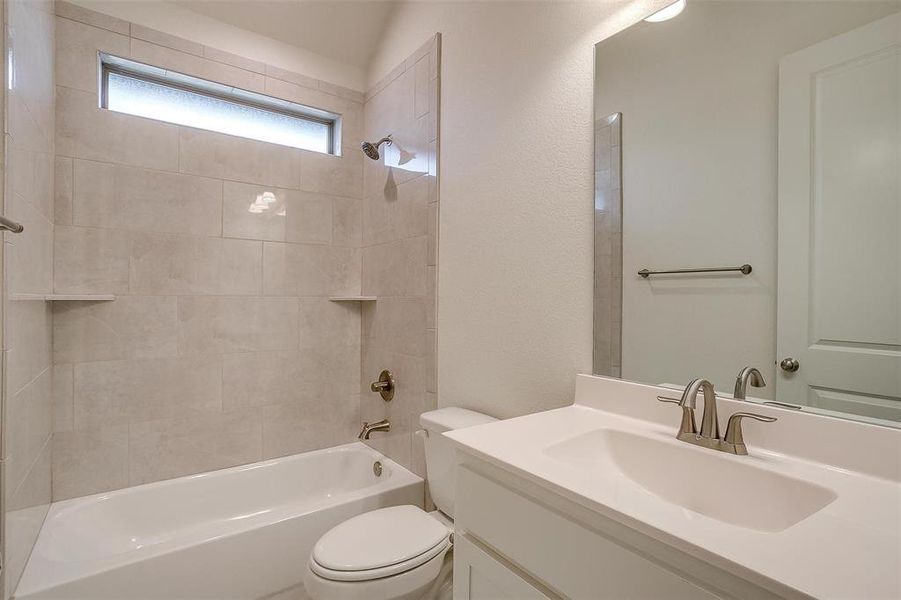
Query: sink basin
[698, 479]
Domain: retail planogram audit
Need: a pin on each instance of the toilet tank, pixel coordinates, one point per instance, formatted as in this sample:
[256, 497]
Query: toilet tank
[440, 461]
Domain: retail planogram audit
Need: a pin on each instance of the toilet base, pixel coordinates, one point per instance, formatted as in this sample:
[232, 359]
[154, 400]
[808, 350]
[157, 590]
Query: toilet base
[411, 585]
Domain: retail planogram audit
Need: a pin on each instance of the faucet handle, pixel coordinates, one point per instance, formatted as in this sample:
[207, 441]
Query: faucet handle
[688, 425]
[733, 430]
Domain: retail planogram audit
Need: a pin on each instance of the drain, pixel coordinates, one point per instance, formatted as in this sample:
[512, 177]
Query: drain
[377, 468]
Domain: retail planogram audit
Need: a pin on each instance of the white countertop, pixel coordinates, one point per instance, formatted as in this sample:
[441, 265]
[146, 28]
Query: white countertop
[851, 548]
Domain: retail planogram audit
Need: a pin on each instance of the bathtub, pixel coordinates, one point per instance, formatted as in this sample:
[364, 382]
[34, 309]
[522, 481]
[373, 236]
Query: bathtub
[239, 533]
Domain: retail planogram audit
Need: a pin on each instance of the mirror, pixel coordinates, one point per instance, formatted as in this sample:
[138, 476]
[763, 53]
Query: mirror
[763, 140]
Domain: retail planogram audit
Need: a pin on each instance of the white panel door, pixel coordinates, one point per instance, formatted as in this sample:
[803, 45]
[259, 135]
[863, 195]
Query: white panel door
[839, 300]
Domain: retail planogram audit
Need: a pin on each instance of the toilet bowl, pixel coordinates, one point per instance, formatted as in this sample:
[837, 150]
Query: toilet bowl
[399, 552]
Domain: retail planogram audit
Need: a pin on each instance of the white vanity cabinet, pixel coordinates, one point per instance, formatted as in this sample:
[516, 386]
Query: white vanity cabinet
[517, 541]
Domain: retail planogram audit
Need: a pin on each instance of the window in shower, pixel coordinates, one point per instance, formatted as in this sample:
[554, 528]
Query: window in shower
[155, 93]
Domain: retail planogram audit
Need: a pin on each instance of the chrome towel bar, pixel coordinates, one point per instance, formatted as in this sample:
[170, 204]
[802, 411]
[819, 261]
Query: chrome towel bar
[744, 269]
[10, 225]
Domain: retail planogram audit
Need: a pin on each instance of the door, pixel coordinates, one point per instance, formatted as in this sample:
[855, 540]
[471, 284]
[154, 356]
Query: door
[839, 298]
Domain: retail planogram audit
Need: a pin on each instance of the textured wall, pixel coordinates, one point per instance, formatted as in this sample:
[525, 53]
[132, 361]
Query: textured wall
[221, 347]
[515, 276]
[27, 270]
[400, 216]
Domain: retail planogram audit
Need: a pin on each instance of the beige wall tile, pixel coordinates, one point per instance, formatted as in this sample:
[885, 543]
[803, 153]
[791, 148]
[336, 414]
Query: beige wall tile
[175, 447]
[241, 268]
[397, 268]
[218, 325]
[341, 92]
[90, 17]
[170, 264]
[28, 343]
[89, 461]
[234, 60]
[434, 96]
[63, 397]
[324, 323]
[431, 309]
[26, 508]
[86, 131]
[88, 260]
[338, 175]
[308, 96]
[258, 378]
[421, 87]
[255, 212]
[189, 64]
[301, 427]
[431, 361]
[274, 268]
[433, 235]
[309, 218]
[130, 327]
[30, 410]
[291, 77]
[29, 257]
[310, 270]
[108, 195]
[29, 176]
[232, 158]
[163, 264]
[398, 325]
[77, 45]
[64, 190]
[347, 222]
[164, 39]
[132, 391]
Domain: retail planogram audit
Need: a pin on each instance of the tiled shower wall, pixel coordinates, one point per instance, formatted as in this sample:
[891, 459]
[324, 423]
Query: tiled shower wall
[28, 199]
[400, 232]
[221, 347]
[608, 246]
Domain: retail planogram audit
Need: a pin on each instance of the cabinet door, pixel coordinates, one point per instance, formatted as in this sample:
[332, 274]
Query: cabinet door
[478, 576]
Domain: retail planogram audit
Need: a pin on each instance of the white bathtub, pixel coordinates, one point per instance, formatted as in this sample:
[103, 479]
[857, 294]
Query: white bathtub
[240, 533]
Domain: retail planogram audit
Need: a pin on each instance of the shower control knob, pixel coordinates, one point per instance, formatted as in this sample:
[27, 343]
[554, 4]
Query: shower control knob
[789, 365]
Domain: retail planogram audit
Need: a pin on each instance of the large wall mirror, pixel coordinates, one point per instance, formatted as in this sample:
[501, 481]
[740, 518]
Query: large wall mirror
[763, 138]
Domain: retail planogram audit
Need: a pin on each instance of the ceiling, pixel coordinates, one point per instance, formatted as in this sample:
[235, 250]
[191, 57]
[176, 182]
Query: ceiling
[345, 30]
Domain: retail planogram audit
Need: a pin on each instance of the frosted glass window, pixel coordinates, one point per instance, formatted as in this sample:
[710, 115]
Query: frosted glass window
[209, 108]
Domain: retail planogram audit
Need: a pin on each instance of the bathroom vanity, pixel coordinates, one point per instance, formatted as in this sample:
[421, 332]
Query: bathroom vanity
[600, 500]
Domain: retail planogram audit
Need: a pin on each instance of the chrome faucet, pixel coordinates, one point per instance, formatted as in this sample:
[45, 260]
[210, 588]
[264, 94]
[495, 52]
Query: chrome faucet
[710, 424]
[747, 376]
[709, 436]
[368, 428]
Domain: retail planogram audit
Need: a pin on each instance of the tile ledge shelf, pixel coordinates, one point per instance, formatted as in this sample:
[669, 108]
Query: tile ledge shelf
[352, 298]
[64, 297]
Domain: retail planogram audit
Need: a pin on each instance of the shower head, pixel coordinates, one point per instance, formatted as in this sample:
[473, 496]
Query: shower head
[372, 150]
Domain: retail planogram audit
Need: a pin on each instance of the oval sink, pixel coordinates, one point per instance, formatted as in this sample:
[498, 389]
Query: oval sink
[698, 479]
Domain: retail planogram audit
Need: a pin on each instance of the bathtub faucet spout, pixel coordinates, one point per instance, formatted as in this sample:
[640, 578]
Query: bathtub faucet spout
[368, 428]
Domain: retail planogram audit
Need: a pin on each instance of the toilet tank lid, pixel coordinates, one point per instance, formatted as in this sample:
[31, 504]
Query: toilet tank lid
[447, 419]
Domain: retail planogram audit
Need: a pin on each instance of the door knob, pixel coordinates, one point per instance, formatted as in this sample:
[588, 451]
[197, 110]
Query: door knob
[789, 365]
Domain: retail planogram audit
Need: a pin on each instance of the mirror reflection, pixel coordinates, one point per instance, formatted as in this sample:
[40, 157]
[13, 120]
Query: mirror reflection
[757, 146]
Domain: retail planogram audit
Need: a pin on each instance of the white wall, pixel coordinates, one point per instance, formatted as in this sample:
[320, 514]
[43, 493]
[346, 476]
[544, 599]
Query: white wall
[515, 239]
[184, 23]
[699, 101]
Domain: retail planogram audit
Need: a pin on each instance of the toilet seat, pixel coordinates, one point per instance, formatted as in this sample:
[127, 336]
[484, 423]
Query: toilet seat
[378, 544]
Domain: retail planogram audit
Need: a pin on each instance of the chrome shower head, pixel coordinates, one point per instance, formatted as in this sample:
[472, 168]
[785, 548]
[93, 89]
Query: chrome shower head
[372, 150]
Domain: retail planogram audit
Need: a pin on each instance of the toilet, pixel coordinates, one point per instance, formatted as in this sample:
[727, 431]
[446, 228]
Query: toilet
[399, 552]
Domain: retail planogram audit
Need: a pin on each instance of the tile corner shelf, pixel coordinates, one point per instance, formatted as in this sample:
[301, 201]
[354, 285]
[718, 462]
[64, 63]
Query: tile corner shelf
[352, 298]
[64, 297]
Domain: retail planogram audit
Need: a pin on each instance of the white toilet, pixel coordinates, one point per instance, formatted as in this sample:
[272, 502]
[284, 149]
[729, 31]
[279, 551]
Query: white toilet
[400, 552]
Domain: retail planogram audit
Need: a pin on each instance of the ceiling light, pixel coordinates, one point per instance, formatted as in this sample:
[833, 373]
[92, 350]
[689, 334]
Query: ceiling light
[667, 12]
